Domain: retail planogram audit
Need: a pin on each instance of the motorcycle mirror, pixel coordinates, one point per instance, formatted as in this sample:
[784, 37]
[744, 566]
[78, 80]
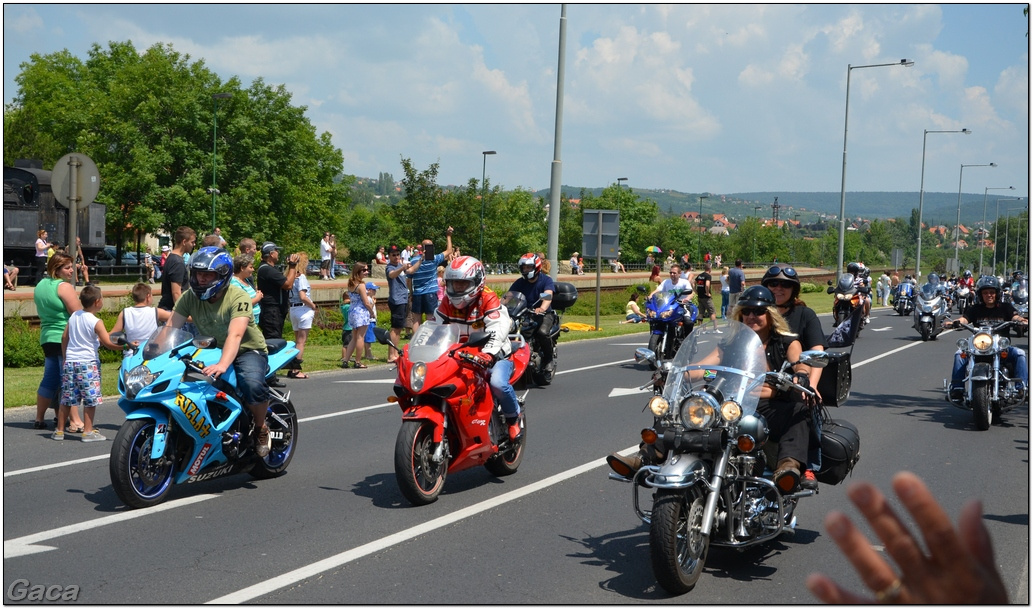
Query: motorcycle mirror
[478, 339]
[815, 359]
[383, 336]
[119, 338]
[830, 282]
[644, 356]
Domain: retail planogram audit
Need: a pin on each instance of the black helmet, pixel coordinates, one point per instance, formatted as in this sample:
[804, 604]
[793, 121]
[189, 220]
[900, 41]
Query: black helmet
[756, 296]
[988, 282]
[853, 268]
[213, 259]
[782, 271]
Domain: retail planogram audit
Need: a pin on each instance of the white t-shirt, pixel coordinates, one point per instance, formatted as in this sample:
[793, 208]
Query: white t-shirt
[682, 284]
[301, 284]
[139, 323]
[324, 250]
[83, 344]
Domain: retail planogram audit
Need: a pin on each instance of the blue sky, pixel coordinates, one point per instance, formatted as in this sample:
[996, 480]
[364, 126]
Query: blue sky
[718, 98]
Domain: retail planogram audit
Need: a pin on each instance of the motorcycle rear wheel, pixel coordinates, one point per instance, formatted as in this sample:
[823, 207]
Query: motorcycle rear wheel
[138, 480]
[981, 405]
[282, 420]
[677, 548]
[506, 463]
[419, 478]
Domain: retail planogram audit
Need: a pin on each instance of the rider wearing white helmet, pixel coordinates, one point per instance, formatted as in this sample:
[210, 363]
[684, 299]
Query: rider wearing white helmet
[469, 304]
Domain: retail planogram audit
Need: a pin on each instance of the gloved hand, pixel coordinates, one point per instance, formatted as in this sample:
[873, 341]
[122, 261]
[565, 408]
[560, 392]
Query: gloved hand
[485, 359]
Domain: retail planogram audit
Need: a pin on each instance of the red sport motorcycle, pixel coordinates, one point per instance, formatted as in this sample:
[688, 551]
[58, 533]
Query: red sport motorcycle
[450, 421]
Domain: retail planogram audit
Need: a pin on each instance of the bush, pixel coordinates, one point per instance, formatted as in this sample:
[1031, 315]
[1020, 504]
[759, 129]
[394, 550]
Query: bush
[21, 344]
[807, 288]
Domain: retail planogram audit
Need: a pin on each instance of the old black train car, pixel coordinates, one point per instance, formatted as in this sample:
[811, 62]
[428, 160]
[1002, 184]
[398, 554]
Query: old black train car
[30, 205]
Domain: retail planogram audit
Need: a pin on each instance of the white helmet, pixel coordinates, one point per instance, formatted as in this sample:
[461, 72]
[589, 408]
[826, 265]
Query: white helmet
[464, 281]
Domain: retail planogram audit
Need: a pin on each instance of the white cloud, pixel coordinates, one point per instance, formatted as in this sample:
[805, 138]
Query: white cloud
[1012, 89]
[23, 21]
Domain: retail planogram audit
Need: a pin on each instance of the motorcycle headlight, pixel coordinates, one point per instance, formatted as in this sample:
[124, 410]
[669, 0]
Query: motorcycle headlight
[650, 314]
[417, 376]
[982, 341]
[666, 313]
[138, 378]
[659, 406]
[962, 343]
[1003, 342]
[698, 411]
[730, 411]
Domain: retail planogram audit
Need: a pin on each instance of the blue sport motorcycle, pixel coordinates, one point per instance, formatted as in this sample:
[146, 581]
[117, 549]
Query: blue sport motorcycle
[183, 426]
[671, 318]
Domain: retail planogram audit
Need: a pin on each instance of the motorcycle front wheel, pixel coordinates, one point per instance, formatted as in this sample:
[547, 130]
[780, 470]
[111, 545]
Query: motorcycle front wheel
[419, 478]
[926, 330]
[654, 346]
[282, 420]
[676, 546]
[138, 480]
[981, 405]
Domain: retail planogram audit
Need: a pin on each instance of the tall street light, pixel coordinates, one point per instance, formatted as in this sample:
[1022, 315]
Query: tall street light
[983, 226]
[846, 122]
[1007, 225]
[484, 166]
[957, 225]
[215, 119]
[700, 253]
[921, 198]
[996, 221]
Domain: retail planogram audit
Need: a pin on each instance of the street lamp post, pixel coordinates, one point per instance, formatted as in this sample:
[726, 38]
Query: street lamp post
[215, 120]
[846, 122]
[996, 221]
[700, 248]
[983, 226]
[921, 198]
[1007, 225]
[484, 193]
[957, 225]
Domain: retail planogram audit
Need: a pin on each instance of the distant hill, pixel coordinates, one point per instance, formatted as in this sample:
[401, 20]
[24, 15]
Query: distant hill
[937, 208]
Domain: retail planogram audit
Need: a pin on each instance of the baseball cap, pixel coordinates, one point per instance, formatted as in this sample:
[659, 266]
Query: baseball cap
[165, 248]
[268, 247]
[371, 286]
[394, 249]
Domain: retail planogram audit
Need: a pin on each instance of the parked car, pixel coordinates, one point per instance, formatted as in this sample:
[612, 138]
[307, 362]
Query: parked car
[106, 257]
[340, 268]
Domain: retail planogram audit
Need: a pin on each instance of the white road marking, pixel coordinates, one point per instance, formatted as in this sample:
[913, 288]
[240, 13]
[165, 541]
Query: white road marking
[886, 329]
[370, 381]
[55, 465]
[23, 546]
[338, 560]
[617, 392]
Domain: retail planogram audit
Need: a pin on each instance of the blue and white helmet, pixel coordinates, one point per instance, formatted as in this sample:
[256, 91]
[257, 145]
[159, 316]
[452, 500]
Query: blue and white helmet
[216, 260]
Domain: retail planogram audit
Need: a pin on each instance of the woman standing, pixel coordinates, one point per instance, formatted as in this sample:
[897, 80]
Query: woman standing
[362, 312]
[243, 269]
[724, 291]
[55, 300]
[40, 266]
[303, 311]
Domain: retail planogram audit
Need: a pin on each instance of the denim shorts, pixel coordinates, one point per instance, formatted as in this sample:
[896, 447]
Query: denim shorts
[250, 368]
[424, 303]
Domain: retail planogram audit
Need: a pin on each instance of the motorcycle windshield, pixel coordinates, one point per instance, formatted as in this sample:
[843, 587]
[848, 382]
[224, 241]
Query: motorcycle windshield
[732, 363]
[516, 303]
[432, 340]
[163, 340]
[1019, 292]
[662, 300]
[928, 291]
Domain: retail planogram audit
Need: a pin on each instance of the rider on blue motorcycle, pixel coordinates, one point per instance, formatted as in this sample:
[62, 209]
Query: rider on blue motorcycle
[223, 311]
[675, 283]
[988, 308]
[537, 288]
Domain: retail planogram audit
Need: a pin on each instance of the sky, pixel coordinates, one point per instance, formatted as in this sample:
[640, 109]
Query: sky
[696, 98]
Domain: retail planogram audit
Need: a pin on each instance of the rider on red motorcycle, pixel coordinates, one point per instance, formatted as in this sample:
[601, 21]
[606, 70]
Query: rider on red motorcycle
[863, 284]
[467, 303]
[967, 281]
[537, 288]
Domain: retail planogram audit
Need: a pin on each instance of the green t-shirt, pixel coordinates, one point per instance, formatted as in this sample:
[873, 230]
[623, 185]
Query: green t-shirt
[213, 318]
[53, 316]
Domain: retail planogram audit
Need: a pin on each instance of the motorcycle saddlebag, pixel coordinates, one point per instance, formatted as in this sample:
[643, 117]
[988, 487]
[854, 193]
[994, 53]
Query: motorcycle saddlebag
[840, 450]
[564, 296]
[834, 385]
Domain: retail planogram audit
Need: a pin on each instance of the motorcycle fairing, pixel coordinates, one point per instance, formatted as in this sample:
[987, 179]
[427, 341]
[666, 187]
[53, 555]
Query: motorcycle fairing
[981, 371]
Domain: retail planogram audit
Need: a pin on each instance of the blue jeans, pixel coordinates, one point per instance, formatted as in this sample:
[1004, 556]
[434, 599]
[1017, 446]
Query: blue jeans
[50, 384]
[724, 304]
[251, 368]
[501, 390]
[1016, 356]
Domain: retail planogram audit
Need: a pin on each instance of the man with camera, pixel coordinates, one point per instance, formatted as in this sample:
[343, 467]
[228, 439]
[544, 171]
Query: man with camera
[424, 274]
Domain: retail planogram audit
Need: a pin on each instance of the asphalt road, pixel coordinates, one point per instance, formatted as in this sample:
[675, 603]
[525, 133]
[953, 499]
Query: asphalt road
[335, 528]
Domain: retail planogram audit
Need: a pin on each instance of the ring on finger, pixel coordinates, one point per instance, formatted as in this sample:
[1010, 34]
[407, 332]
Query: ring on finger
[890, 593]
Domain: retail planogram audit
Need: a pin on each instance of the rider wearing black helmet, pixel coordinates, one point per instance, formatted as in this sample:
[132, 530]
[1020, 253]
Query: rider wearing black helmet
[223, 311]
[988, 308]
[537, 288]
[863, 285]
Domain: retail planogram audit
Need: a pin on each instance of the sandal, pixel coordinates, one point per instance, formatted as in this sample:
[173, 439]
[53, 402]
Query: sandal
[360, 365]
[39, 424]
[72, 429]
[296, 374]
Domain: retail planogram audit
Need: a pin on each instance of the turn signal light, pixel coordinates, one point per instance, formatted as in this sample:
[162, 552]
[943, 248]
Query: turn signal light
[649, 435]
[221, 396]
[1004, 354]
[392, 399]
[745, 444]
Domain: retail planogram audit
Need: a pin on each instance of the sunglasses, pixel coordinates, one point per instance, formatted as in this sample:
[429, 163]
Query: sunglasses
[788, 271]
[755, 312]
[778, 283]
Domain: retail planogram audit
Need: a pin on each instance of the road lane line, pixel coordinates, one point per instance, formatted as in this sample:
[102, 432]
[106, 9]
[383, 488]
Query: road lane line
[23, 546]
[54, 465]
[338, 560]
[878, 357]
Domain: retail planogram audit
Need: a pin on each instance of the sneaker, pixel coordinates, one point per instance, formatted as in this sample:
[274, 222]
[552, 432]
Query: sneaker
[716, 331]
[57, 435]
[93, 436]
[867, 319]
[263, 442]
[809, 481]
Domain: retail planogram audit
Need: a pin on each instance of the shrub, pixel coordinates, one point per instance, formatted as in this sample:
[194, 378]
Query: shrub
[21, 344]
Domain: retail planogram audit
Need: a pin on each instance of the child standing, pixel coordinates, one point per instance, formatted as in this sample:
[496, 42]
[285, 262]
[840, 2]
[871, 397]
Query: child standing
[80, 375]
[140, 320]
